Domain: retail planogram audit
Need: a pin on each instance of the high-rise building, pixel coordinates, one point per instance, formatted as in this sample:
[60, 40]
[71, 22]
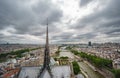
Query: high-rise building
[89, 43]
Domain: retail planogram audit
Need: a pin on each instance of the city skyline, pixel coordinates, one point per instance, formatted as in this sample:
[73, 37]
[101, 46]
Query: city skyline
[73, 21]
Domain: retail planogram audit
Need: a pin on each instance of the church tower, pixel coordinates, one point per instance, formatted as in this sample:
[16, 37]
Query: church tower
[46, 64]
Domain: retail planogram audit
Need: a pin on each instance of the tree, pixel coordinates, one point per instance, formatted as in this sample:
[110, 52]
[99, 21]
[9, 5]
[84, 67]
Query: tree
[76, 67]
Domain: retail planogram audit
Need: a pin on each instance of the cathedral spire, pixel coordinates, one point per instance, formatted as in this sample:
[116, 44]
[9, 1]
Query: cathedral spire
[46, 53]
[46, 64]
[47, 38]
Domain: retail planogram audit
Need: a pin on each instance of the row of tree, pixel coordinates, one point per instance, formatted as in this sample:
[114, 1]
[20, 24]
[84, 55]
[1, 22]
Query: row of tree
[76, 67]
[116, 73]
[64, 58]
[58, 50]
[97, 61]
[17, 53]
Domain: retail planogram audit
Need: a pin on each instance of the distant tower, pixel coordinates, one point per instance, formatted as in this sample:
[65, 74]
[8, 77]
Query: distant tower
[89, 43]
[46, 64]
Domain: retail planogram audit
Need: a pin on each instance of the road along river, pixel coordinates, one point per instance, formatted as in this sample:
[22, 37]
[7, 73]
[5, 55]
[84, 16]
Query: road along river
[89, 71]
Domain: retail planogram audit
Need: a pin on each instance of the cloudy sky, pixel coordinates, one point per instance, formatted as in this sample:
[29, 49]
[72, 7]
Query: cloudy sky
[70, 21]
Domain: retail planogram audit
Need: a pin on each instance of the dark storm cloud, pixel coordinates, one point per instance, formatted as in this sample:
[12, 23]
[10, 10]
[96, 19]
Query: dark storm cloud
[21, 15]
[84, 2]
[105, 21]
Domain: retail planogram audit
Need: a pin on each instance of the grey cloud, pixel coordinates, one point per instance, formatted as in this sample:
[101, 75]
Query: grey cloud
[86, 36]
[41, 30]
[63, 36]
[84, 2]
[45, 9]
[111, 11]
[26, 18]
[31, 19]
[68, 37]
[109, 27]
[105, 21]
[22, 17]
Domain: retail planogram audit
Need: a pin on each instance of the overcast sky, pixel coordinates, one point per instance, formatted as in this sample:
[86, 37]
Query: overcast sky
[70, 21]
